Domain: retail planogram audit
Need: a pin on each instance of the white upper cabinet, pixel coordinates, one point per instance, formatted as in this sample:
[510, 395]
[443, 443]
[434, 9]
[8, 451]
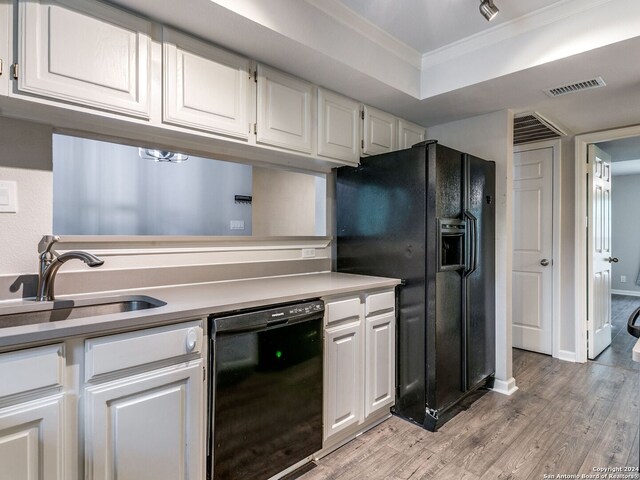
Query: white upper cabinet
[284, 110]
[409, 134]
[379, 132]
[86, 53]
[338, 126]
[205, 88]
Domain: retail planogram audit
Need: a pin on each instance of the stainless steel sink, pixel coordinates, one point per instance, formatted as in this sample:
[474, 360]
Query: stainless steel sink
[70, 309]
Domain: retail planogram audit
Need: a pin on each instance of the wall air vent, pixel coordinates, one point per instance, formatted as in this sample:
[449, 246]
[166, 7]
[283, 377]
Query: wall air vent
[533, 127]
[575, 87]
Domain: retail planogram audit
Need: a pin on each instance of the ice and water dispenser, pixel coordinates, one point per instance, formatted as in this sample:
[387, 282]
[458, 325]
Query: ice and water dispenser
[451, 244]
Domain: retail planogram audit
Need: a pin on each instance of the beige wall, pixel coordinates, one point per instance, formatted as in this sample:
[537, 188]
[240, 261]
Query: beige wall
[283, 203]
[491, 137]
[25, 157]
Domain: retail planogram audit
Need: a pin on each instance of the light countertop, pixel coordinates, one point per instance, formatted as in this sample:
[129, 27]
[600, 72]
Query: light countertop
[185, 302]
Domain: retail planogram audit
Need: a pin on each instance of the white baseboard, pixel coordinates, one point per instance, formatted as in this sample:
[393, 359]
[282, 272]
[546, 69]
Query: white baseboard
[632, 293]
[507, 387]
[566, 355]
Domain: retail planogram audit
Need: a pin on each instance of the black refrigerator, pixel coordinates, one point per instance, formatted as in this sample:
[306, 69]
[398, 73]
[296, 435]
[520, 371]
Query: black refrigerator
[426, 215]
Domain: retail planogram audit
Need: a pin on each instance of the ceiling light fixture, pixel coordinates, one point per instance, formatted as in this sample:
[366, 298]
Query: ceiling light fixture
[488, 9]
[162, 155]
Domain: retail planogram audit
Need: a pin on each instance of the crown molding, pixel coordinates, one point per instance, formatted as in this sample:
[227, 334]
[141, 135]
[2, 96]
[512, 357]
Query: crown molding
[507, 30]
[369, 30]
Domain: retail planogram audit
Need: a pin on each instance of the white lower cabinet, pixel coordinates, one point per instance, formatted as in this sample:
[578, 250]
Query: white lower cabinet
[359, 375]
[146, 427]
[31, 440]
[380, 353]
[343, 378]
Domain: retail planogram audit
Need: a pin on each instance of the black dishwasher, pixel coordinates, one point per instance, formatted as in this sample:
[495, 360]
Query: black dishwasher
[265, 390]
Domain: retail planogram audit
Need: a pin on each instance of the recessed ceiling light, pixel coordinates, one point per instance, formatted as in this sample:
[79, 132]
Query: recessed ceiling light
[162, 155]
[488, 9]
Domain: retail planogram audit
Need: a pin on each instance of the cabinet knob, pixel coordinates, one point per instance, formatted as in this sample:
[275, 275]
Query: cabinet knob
[192, 340]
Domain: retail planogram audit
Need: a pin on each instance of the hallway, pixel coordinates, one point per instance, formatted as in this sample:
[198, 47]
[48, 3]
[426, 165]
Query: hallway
[618, 354]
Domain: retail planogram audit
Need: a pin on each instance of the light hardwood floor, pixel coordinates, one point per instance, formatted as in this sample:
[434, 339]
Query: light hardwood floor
[566, 418]
[619, 352]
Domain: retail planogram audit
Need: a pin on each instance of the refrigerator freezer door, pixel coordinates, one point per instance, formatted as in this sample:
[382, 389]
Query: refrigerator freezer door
[381, 211]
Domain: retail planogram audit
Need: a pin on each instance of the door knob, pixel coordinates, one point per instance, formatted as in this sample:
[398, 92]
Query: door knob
[544, 262]
[612, 260]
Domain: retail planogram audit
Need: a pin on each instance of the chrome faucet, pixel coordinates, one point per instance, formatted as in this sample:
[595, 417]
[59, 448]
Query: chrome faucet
[50, 264]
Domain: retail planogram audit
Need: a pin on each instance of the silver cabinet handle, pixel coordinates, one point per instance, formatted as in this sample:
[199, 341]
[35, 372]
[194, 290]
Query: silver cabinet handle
[612, 260]
[544, 262]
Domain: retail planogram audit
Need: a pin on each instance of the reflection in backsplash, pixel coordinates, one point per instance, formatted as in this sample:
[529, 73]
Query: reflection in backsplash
[102, 188]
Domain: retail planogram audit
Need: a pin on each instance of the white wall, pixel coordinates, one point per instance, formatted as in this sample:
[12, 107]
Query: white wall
[625, 231]
[491, 137]
[567, 245]
[104, 188]
[25, 157]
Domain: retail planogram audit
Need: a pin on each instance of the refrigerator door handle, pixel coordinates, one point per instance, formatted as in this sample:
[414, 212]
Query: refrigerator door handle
[472, 234]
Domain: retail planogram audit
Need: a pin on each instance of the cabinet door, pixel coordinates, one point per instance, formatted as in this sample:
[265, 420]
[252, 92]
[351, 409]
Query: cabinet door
[380, 344]
[284, 110]
[84, 52]
[338, 126]
[31, 441]
[343, 378]
[204, 87]
[147, 427]
[409, 134]
[379, 132]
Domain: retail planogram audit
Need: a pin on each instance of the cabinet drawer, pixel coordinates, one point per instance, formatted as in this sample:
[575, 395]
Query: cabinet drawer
[33, 369]
[342, 310]
[380, 302]
[134, 349]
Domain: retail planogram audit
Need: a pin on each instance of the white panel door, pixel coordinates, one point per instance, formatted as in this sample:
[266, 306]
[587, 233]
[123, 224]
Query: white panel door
[599, 241]
[379, 132]
[31, 441]
[533, 249]
[380, 341]
[409, 134]
[338, 126]
[86, 53]
[148, 427]
[284, 110]
[343, 378]
[205, 87]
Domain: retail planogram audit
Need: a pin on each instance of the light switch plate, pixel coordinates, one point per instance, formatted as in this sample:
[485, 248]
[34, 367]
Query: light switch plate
[8, 196]
[237, 225]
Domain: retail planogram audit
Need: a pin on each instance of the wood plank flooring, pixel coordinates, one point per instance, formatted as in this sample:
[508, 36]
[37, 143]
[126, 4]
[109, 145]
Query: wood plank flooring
[619, 352]
[566, 418]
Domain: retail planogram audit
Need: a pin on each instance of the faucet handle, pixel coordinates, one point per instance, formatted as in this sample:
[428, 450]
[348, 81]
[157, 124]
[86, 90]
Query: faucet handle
[46, 244]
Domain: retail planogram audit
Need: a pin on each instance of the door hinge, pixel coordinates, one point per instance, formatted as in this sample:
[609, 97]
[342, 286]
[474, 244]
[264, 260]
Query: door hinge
[15, 71]
[204, 373]
[255, 76]
[255, 128]
[0, 67]
[362, 114]
[362, 144]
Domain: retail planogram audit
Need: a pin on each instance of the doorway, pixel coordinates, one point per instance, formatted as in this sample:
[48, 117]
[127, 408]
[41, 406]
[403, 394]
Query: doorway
[600, 275]
[613, 243]
[536, 252]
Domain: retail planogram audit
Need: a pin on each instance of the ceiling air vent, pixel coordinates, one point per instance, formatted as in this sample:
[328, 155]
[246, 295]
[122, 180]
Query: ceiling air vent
[533, 127]
[575, 87]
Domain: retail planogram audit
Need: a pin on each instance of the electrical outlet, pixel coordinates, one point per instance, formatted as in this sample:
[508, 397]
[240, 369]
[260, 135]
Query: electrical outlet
[308, 252]
[8, 197]
[623, 279]
[236, 224]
